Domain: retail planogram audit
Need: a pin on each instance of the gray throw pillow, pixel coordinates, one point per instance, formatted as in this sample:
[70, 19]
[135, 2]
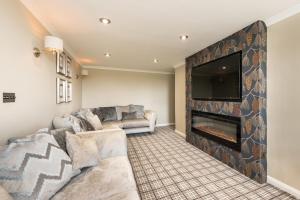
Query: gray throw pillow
[34, 168]
[16, 139]
[128, 115]
[121, 109]
[67, 122]
[86, 125]
[106, 113]
[60, 136]
[94, 121]
[138, 109]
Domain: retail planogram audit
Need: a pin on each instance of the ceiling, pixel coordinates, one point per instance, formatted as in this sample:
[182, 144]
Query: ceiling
[143, 30]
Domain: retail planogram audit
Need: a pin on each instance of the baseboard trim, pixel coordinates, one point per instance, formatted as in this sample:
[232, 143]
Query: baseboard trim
[167, 124]
[283, 186]
[180, 133]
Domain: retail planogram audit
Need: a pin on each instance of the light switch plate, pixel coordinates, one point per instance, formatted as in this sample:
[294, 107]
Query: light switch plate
[9, 97]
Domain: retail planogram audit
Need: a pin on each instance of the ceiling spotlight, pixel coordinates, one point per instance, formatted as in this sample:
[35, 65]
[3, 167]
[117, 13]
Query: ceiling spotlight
[224, 67]
[105, 20]
[184, 37]
[107, 55]
[155, 60]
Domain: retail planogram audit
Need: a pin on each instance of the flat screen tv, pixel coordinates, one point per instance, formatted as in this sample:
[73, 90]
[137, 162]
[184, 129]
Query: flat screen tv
[218, 80]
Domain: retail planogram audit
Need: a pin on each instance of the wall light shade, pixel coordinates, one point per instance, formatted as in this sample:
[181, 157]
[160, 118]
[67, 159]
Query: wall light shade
[84, 72]
[54, 44]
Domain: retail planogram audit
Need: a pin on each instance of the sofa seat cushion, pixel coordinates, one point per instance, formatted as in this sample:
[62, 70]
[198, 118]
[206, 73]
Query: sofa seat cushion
[135, 123]
[111, 179]
[112, 124]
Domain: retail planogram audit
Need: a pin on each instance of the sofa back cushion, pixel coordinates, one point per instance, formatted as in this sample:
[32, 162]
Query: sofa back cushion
[139, 109]
[129, 115]
[68, 121]
[120, 110]
[82, 150]
[94, 120]
[106, 113]
[60, 136]
[34, 168]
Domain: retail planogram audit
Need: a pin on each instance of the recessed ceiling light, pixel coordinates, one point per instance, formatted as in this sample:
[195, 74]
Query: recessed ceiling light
[184, 37]
[105, 20]
[107, 55]
[155, 60]
[224, 67]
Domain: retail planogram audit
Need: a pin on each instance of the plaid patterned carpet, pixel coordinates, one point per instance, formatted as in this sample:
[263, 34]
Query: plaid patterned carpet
[167, 167]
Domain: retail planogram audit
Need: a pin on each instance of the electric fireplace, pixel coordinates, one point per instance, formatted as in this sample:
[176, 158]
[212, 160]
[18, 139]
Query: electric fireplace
[225, 130]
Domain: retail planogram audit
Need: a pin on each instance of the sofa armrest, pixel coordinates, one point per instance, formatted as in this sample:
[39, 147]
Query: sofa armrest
[151, 117]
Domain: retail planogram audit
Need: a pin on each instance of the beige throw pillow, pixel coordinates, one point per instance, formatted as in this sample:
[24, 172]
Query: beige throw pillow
[94, 120]
[82, 150]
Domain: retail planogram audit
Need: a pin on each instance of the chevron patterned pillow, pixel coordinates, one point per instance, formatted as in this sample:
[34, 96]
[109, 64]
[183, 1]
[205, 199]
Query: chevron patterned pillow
[35, 168]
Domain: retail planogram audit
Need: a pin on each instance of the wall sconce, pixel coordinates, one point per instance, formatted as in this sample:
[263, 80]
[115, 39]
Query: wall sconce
[52, 44]
[84, 72]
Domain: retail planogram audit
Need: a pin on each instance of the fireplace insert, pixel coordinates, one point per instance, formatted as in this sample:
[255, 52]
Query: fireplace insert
[223, 129]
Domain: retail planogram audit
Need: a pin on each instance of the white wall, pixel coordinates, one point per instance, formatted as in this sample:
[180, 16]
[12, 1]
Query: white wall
[284, 101]
[180, 105]
[111, 88]
[32, 79]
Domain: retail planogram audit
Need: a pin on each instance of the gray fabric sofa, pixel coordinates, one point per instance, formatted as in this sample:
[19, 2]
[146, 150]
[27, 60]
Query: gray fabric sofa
[112, 178]
[134, 125]
[117, 116]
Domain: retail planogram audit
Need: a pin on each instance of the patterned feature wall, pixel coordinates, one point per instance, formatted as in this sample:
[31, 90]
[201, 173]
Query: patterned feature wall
[251, 161]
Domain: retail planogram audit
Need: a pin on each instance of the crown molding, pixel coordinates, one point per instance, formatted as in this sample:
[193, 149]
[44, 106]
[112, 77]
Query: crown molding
[179, 65]
[127, 70]
[283, 15]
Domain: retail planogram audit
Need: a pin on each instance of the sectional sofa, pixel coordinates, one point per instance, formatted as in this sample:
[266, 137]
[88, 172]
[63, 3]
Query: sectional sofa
[142, 121]
[83, 157]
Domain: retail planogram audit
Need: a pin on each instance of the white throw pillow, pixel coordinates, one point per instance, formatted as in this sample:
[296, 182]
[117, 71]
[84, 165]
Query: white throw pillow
[34, 168]
[93, 120]
[82, 150]
[67, 121]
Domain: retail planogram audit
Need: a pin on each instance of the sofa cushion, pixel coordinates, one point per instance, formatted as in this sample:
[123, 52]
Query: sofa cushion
[60, 136]
[22, 138]
[109, 143]
[85, 124]
[34, 168]
[128, 115]
[138, 109]
[93, 120]
[121, 109]
[135, 123]
[82, 150]
[111, 179]
[68, 121]
[112, 124]
[106, 113]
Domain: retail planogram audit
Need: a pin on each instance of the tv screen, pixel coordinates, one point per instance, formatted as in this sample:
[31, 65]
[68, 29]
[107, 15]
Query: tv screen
[218, 80]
